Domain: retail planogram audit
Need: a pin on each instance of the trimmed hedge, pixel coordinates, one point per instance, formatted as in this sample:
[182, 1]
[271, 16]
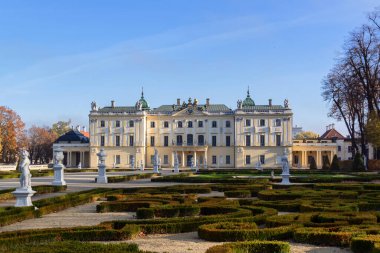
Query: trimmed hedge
[366, 244]
[251, 247]
[238, 194]
[223, 231]
[119, 179]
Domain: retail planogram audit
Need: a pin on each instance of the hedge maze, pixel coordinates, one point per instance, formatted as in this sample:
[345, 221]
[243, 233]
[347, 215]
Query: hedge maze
[250, 216]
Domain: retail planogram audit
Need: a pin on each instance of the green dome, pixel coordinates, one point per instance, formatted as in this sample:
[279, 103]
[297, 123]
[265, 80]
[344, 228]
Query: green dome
[144, 104]
[248, 101]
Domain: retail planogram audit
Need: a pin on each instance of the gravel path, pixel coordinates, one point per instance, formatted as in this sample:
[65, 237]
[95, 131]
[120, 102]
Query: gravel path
[189, 242]
[84, 215]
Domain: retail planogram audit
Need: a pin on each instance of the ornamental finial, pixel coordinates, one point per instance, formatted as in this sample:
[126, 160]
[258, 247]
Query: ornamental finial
[142, 91]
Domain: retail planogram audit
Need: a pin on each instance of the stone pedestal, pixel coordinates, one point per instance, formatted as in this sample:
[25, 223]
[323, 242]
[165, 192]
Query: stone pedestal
[155, 169]
[102, 177]
[285, 178]
[58, 175]
[23, 197]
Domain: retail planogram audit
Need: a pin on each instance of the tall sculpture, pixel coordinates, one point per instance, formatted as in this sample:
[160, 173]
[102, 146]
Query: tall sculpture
[142, 165]
[58, 167]
[24, 193]
[133, 162]
[176, 163]
[285, 168]
[155, 161]
[102, 176]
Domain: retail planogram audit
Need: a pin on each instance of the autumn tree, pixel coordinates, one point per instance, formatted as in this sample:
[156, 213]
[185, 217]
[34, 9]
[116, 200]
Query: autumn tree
[352, 87]
[61, 127]
[306, 135]
[40, 144]
[11, 135]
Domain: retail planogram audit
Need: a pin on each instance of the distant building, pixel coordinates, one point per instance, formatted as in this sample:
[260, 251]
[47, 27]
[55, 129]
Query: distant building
[297, 130]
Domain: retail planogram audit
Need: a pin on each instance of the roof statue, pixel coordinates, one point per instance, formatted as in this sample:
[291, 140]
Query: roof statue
[239, 104]
[286, 103]
[248, 101]
[93, 106]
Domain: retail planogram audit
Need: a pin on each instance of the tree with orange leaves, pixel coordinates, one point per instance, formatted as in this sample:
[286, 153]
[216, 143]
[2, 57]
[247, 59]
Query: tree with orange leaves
[40, 144]
[11, 135]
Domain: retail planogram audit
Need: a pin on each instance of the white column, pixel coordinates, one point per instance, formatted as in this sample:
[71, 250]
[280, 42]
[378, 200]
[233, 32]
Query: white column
[183, 159]
[195, 158]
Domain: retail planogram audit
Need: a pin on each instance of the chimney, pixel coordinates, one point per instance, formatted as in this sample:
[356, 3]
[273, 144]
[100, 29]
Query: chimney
[178, 101]
[112, 103]
[333, 126]
[270, 102]
[207, 101]
[83, 128]
[78, 128]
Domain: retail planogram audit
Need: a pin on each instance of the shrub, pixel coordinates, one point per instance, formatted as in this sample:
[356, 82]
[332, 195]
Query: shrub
[252, 247]
[227, 231]
[366, 244]
[325, 163]
[358, 163]
[313, 164]
[145, 213]
[238, 194]
[335, 164]
[322, 237]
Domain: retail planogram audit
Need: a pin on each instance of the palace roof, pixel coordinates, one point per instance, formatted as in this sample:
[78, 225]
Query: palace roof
[73, 136]
[212, 108]
[332, 133]
[118, 109]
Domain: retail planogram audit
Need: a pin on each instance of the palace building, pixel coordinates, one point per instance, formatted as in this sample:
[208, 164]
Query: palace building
[205, 135]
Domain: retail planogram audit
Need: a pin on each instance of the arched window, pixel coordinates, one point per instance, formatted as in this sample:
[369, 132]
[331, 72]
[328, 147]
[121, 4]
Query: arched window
[179, 124]
[190, 124]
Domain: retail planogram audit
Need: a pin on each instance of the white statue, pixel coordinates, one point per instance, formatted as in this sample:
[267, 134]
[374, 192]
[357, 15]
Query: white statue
[285, 168]
[155, 161]
[102, 171]
[79, 165]
[24, 193]
[142, 165]
[133, 162]
[59, 177]
[205, 163]
[258, 166]
[26, 177]
[176, 162]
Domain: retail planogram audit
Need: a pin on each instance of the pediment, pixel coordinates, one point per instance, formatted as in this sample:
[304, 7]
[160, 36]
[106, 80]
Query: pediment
[190, 111]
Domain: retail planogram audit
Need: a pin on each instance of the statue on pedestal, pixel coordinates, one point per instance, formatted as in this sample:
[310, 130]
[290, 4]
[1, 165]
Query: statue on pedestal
[285, 168]
[155, 161]
[176, 162]
[58, 167]
[133, 162]
[24, 193]
[102, 173]
[142, 165]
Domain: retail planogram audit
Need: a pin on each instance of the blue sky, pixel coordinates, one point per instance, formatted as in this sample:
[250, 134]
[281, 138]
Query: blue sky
[58, 56]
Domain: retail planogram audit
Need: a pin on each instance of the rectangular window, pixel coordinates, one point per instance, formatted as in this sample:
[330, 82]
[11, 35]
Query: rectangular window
[152, 141]
[278, 140]
[152, 124]
[166, 159]
[102, 123]
[262, 159]
[262, 140]
[228, 159]
[296, 159]
[131, 142]
[228, 141]
[200, 123]
[247, 159]
[117, 159]
[201, 140]
[278, 122]
[228, 124]
[102, 140]
[214, 159]
[349, 149]
[214, 124]
[247, 122]
[166, 124]
[214, 141]
[339, 148]
[179, 140]
[179, 124]
[262, 122]
[190, 124]
[117, 140]
[248, 140]
[117, 123]
[166, 141]
[131, 123]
